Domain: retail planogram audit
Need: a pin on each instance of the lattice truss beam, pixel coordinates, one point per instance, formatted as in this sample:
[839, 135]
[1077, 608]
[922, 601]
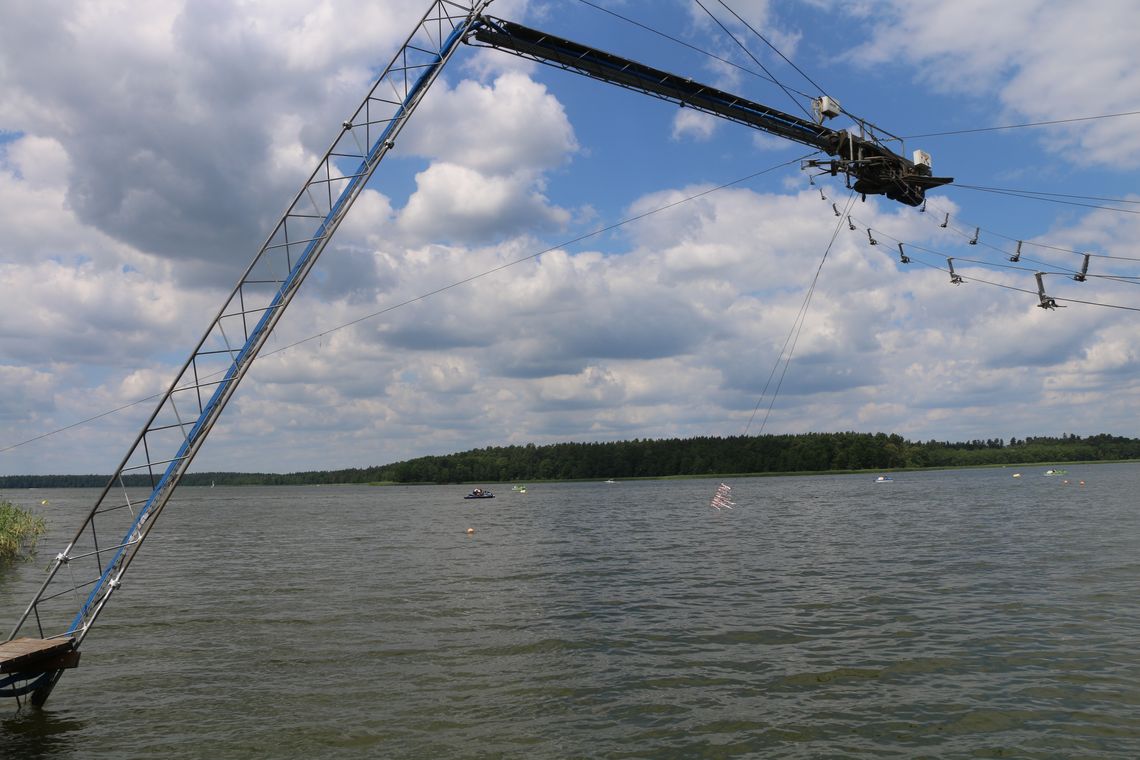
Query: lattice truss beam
[84, 575]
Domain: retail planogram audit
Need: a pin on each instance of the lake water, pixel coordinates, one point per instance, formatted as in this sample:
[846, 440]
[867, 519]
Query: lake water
[945, 615]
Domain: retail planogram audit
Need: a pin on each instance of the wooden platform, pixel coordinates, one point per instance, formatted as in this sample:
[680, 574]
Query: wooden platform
[31, 656]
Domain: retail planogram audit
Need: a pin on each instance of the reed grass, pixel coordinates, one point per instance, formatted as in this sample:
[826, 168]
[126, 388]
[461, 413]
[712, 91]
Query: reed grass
[18, 531]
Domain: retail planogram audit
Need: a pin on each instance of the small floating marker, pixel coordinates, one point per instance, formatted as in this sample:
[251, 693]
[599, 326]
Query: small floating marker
[1017, 474]
[1082, 482]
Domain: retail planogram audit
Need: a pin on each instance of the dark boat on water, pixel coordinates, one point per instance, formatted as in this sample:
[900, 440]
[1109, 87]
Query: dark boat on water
[479, 493]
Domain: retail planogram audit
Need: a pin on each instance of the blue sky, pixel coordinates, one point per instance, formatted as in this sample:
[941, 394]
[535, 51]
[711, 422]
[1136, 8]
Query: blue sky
[140, 172]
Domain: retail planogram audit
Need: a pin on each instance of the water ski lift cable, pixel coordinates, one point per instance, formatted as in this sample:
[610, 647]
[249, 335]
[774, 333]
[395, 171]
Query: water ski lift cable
[975, 240]
[692, 47]
[775, 49]
[1021, 126]
[429, 294]
[1034, 193]
[1038, 197]
[1062, 198]
[1018, 255]
[745, 69]
[1035, 292]
[748, 52]
[932, 205]
[863, 124]
[797, 326]
[720, 498]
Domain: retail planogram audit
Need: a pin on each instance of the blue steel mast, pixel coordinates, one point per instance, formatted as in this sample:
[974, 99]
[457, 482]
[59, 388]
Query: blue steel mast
[83, 576]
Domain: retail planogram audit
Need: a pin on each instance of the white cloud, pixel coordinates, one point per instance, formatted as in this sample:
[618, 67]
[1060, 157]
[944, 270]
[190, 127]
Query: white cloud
[456, 202]
[509, 125]
[697, 125]
[1044, 59]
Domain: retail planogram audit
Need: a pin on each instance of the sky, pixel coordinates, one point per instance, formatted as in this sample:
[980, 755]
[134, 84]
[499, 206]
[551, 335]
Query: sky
[622, 268]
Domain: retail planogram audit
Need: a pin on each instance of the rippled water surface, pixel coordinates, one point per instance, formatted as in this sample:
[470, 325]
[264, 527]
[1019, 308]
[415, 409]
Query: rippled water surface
[947, 614]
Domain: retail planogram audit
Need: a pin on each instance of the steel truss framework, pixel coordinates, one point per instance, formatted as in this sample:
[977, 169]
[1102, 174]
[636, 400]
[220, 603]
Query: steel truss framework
[83, 576]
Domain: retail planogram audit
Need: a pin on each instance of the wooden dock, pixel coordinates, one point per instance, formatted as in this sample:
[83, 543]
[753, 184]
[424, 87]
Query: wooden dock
[32, 656]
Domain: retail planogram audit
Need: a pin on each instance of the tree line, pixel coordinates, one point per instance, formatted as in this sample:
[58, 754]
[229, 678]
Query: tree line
[736, 455]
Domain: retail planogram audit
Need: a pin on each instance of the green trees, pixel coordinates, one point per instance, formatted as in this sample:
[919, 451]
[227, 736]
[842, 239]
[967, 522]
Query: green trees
[804, 452]
[807, 452]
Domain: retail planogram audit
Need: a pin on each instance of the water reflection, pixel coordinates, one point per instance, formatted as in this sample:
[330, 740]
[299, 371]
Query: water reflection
[31, 734]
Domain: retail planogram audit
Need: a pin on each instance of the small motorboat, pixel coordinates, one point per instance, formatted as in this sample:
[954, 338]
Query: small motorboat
[884, 479]
[479, 493]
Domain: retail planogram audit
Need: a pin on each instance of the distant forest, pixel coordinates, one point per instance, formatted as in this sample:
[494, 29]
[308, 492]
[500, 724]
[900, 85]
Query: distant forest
[740, 455]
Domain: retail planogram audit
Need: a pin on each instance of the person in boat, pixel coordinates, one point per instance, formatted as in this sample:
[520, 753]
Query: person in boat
[477, 492]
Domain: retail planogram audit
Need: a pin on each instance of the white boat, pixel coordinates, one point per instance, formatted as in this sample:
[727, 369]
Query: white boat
[884, 479]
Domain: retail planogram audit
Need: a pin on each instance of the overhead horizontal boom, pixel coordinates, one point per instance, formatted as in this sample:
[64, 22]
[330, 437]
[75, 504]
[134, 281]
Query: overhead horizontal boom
[873, 167]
